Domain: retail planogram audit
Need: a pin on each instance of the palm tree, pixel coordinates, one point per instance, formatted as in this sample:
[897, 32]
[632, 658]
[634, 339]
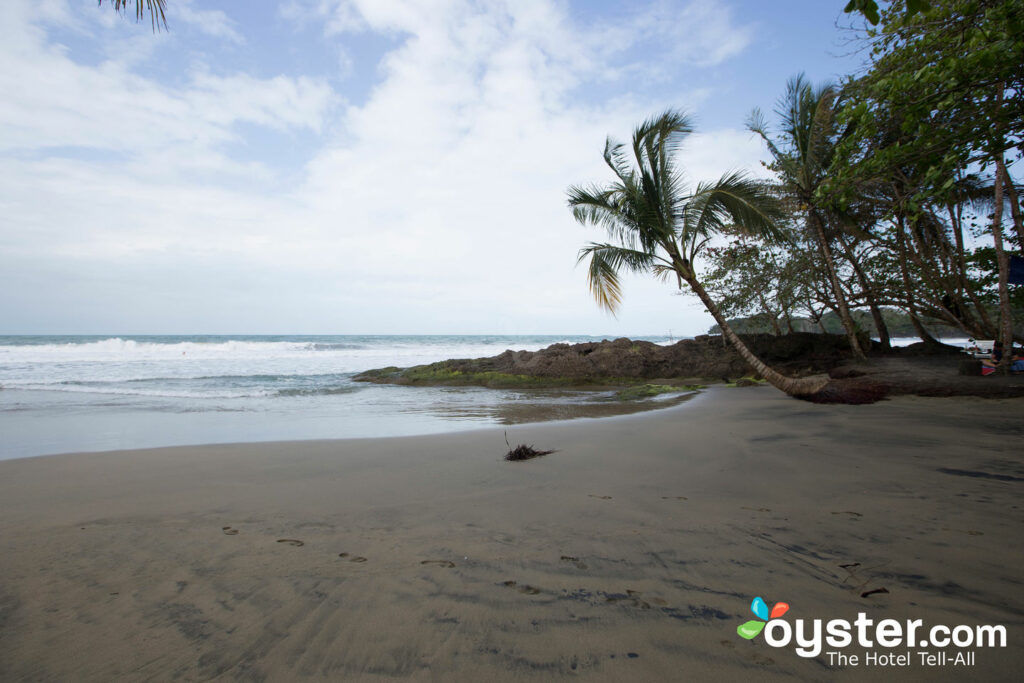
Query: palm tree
[156, 10]
[657, 226]
[802, 157]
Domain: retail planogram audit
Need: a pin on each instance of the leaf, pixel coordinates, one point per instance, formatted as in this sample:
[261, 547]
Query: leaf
[750, 629]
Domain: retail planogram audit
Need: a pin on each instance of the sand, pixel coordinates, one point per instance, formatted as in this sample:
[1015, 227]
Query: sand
[630, 554]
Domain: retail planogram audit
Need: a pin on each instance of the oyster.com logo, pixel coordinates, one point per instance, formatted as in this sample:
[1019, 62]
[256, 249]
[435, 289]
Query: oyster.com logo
[759, 607]
[903, 643]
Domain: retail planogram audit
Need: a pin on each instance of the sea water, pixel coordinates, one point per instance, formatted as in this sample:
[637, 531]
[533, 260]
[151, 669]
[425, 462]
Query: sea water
[89, 393]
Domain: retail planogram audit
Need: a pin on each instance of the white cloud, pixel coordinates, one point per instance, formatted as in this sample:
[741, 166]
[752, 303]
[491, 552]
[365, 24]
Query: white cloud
[438, 204]
[211, 22]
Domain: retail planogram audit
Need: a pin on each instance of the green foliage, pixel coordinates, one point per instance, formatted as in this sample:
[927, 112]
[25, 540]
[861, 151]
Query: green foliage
[945, 90]
[444, 374]
[869, 8]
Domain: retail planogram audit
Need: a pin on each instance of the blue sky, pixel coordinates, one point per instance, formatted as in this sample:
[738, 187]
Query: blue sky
[358, 166]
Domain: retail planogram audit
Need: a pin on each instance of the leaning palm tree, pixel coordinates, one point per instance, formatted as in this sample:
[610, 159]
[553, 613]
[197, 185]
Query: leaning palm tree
[659, 226]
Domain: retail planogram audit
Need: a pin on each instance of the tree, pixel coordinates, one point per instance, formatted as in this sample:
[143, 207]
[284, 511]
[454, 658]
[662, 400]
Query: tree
[944, 95]
[155, 7]
[802, 155]
[657, 226]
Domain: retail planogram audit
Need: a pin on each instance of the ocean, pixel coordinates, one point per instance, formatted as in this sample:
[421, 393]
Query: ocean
[63, 394]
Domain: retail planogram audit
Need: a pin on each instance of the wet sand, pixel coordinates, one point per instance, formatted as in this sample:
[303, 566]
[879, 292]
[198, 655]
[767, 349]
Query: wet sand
[632, 553]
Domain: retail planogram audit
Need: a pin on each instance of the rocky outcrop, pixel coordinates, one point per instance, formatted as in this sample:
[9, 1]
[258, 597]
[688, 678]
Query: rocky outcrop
[611, 362]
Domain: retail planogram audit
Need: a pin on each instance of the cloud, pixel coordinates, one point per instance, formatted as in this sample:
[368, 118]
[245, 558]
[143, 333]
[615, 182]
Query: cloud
[435, 204]
[210, 22]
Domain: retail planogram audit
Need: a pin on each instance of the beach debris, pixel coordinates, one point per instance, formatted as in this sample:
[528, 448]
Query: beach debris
[522, 451]
[873, 592]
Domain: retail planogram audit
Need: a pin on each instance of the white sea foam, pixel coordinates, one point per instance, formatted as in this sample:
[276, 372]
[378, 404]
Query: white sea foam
[129, 350]
[223, 368]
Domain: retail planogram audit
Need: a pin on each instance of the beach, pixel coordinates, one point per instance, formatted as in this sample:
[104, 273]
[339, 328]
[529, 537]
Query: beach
[633, 552]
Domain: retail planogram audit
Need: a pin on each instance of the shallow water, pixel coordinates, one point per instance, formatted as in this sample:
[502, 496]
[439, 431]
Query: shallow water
[62, 394]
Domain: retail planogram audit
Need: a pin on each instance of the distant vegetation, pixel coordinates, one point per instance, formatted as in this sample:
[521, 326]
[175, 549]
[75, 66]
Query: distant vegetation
[897, 322]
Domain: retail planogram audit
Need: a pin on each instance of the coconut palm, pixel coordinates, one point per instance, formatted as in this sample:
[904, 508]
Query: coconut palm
[802, 157]
[657, 225]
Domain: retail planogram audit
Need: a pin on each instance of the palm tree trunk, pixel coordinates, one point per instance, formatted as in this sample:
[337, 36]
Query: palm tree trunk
[1005, 321]
[804, 386]
[830, 265]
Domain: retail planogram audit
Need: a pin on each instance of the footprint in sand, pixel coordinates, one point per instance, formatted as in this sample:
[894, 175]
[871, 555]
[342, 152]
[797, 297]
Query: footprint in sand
[228, 531]
[858, 582]
[574, 560]
[291, 541]
[757, 509]
[356, 558]
[525, 588]
[633, 599]
[439, 563]
[592, 495]
[674, 498]
[847, 512]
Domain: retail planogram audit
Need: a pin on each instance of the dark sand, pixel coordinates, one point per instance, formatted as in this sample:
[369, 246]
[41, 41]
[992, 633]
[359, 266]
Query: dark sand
[630, 554]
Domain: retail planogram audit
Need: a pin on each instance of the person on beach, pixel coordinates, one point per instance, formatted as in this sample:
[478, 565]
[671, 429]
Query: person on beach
[1016, 360]
[988, 365]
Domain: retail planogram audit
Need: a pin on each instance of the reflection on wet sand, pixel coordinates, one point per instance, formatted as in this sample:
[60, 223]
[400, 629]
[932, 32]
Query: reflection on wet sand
[548, 406]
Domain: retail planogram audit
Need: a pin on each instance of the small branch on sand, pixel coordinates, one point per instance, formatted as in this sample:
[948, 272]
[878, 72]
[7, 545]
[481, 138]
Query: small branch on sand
[522, 452]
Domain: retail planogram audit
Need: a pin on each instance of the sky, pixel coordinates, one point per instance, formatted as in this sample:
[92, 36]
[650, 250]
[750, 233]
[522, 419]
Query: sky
[360, 166]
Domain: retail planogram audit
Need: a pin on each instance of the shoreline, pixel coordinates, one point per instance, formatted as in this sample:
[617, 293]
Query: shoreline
[542, 408]
[646, 534]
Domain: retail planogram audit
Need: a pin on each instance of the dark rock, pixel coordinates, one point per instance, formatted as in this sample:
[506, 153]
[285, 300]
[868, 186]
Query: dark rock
[623, 359]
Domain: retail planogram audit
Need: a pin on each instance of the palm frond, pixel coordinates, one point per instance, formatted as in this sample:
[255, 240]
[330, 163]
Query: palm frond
[609, 208]
[736, 199]
[617, 160]
[606, 261]
[156, 10]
